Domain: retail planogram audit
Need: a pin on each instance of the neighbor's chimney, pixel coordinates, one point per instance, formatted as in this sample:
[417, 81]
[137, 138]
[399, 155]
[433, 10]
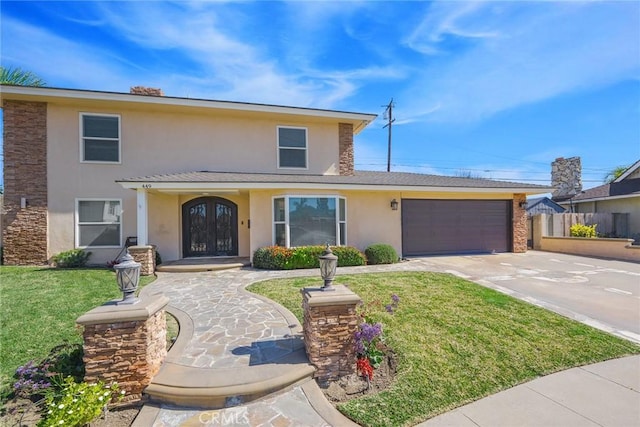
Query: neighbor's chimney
[566, 178]
[143, 90]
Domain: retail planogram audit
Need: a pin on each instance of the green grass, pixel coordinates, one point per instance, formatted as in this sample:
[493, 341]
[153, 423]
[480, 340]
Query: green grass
[456, 342]
[39, 307]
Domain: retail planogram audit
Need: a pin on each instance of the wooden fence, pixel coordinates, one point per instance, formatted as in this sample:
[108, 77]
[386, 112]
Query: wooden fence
[607, 224]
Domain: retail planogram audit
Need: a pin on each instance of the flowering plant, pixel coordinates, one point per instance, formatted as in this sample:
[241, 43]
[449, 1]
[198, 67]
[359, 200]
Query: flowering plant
[78, 404]
[369, 341]
[31, 379]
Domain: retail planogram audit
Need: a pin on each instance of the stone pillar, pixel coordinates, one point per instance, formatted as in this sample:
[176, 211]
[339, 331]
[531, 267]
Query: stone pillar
[519, 223]
[24, 220]
[125, 344]
[345, 147]
[146, 256]
[330, 320]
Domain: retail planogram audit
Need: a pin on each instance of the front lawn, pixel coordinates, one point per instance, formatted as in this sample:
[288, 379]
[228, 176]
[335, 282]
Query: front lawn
[39, 307]
[456, 342]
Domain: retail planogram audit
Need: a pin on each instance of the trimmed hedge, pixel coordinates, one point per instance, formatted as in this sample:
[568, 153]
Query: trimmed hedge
[381, 253]
[280, 258]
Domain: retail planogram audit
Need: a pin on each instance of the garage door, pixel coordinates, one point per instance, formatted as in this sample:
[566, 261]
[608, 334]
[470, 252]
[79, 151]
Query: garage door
[455, 226]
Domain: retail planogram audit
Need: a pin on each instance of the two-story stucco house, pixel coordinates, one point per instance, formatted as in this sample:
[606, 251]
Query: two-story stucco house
[203, 178]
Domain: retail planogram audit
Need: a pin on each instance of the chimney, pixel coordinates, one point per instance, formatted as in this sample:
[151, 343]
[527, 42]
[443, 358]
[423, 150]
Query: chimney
[143, 90]
[566, 178]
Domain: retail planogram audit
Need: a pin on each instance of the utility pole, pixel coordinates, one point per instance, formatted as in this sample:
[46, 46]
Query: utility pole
[388, 116]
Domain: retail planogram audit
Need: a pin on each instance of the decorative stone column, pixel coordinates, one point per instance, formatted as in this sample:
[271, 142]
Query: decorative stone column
[146, 256]
[330, 320]
[519, 223]
[125, 344]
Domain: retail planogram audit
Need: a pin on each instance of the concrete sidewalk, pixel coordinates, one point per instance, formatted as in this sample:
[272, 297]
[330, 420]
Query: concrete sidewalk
[604, 394]
[243, 355]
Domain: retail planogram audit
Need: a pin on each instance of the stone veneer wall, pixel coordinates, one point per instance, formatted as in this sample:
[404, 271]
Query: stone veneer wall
[330, 320]
[25, 176]
[519, 224]
[566, 177]
[345, 145]
[126, 352]
[146, 256]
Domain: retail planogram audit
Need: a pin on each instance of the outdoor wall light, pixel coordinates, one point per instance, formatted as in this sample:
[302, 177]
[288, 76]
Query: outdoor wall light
[328, 265]
[128, 276]
[394, 205]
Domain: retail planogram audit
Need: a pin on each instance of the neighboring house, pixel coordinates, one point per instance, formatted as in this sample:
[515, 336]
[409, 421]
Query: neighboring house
[543, 205]
[621, 198]
[87, 169]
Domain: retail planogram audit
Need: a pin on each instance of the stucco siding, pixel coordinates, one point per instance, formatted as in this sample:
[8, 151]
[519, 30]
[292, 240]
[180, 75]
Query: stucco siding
[161, 143]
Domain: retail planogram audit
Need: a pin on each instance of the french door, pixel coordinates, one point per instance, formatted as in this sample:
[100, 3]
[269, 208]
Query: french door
[209, 227]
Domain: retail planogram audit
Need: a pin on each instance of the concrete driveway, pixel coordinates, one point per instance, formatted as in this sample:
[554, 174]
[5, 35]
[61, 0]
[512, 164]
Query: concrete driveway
[599, 292]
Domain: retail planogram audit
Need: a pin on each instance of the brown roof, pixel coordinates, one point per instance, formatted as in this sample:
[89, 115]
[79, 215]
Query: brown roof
[622, 188]
[374, 178]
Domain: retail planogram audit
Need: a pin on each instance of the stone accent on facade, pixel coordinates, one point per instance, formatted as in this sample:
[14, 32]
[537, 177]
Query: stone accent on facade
[143, 90]
[146, 256]
[519, 223]
[566, 178]
[345, 146]
[24, 222]
[125, 344]
[330, 320]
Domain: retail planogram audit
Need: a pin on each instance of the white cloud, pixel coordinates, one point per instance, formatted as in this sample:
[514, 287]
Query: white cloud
[510, 54]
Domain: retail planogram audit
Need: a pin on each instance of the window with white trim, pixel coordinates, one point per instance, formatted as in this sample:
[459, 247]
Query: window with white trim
[292, 147]
[309, 220]
[98, 223]
[99, 138]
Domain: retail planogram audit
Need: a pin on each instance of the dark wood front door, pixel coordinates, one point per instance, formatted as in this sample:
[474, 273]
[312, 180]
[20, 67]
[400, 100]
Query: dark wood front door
[209, 227]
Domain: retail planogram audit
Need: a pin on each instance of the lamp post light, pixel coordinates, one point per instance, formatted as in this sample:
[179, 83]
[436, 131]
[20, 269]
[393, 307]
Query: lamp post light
[328, 265]
[128, 276]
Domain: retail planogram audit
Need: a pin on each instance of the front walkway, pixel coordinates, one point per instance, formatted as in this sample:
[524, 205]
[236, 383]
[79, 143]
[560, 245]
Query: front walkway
[243, 353]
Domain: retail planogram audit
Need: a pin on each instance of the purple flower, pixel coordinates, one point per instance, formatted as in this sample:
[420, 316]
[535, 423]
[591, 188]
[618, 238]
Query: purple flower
[395, 298]
[389, 308]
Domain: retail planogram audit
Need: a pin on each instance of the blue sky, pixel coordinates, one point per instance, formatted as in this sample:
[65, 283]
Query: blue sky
[496, 89]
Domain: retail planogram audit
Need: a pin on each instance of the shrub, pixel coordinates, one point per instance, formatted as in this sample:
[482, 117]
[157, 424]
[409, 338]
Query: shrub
[581, 230]
[73, 258]
[78, 404]
[381, 253]
[280, 258]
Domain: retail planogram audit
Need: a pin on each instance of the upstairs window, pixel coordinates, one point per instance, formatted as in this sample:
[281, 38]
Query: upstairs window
[100, 138]
[292, 147]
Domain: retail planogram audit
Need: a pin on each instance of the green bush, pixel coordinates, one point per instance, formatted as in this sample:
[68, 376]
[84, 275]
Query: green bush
[581, 230]
[280, 258]
[73, 258]
[77, 404]
[381, 253]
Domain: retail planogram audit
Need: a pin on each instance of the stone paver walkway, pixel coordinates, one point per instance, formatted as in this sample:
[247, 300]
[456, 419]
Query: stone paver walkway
[230, 337]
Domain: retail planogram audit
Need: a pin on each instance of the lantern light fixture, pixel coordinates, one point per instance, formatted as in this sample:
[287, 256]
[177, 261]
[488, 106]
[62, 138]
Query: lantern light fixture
[128, 277]
[328, 266]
